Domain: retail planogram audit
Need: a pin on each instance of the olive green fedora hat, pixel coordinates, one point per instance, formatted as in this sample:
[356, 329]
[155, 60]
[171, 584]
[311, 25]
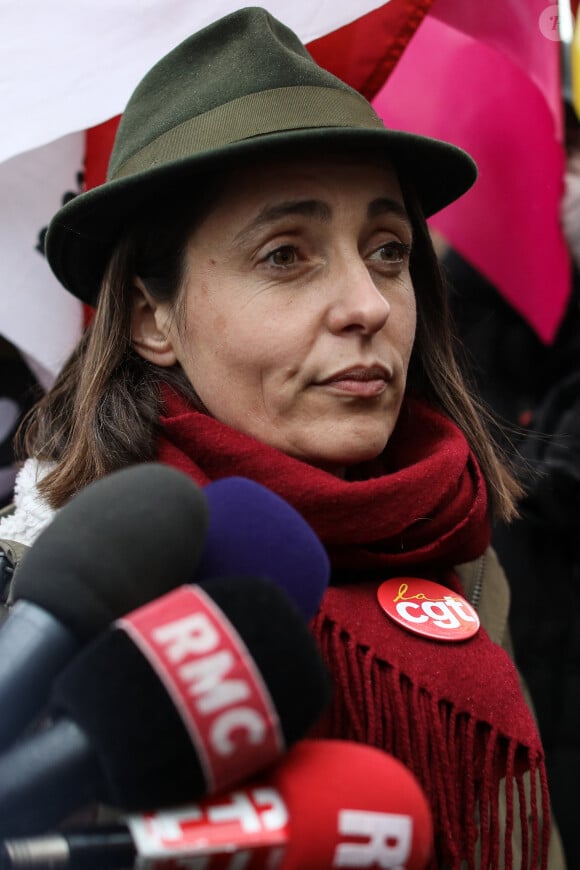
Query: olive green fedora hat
[240, 88]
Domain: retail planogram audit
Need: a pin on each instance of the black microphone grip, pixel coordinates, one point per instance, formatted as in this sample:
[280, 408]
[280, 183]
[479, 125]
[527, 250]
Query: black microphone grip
[23, 633]
[61, 746]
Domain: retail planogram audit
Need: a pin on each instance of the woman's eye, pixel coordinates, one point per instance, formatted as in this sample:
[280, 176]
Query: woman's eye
[391, 252]
[284, 256]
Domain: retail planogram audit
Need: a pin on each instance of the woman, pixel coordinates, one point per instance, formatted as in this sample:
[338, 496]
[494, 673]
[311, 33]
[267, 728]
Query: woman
[268, 305]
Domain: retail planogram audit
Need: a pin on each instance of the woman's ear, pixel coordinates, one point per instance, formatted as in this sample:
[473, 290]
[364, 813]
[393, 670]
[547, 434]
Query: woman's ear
[150, 327]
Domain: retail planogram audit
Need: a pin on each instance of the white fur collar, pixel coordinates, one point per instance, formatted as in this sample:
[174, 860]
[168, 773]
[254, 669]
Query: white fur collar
[32, 513]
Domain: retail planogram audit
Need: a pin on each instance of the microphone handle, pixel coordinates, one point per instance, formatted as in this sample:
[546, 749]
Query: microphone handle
[109, 846]
[33, 798]
[34, 647]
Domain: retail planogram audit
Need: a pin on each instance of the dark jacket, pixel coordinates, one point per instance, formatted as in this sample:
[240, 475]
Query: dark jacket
[536, 387]
[540, 554]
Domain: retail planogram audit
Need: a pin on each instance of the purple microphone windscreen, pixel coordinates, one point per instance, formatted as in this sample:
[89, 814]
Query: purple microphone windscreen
[253, 531]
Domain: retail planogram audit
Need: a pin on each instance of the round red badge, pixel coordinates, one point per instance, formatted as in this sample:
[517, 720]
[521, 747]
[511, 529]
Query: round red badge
[428, 608]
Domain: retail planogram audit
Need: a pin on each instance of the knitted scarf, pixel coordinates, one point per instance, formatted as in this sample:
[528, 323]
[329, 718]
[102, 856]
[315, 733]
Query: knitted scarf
[452, 712]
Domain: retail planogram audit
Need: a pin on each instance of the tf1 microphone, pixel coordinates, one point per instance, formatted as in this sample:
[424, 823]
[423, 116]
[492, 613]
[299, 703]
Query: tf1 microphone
[253, 531]
[326, 804]
[118, 543]
[188, 695]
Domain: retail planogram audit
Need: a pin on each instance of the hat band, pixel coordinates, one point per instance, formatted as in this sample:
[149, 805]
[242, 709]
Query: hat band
[273, 111]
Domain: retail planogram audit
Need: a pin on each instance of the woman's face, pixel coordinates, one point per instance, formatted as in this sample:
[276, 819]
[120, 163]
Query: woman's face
[299, 308]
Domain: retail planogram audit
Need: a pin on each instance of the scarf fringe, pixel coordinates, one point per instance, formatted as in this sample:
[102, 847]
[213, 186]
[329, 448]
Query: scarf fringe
[466, 768]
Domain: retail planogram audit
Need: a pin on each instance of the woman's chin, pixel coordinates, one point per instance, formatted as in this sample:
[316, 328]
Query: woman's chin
[333, 445]
[338, 462]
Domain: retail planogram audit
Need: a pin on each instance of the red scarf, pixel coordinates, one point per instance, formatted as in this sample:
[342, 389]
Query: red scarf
[453, 713]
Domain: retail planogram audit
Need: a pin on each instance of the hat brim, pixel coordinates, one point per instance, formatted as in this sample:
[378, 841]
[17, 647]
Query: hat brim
[83, 233]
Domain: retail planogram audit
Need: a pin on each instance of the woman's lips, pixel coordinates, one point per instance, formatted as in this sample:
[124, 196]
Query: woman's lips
[360, 381]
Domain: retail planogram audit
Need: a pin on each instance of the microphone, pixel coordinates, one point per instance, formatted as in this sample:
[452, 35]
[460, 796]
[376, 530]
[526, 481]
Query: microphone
[186, 696]
[327, 803]
[118, 543]
[124, 540]
[253, 531]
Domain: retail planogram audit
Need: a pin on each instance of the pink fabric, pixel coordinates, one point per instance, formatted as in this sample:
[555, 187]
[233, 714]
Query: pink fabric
[487, 79]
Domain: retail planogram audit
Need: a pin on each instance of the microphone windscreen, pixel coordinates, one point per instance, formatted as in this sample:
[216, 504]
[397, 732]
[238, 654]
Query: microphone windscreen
[134, 723]
[121, 541]
[368, 809]
[253, 531]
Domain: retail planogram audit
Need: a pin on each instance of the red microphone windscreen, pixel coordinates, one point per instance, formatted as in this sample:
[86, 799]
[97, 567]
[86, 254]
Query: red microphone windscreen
[352, 805]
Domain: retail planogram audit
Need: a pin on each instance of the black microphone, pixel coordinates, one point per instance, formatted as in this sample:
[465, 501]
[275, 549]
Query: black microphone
[121, 541]
[186, 696]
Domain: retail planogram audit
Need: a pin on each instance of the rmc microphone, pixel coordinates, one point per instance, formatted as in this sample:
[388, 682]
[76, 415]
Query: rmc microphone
[326, 804]
[128, 538]
[186, 696]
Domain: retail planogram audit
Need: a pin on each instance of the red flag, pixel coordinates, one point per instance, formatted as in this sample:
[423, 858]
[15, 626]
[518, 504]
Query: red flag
[364, 53]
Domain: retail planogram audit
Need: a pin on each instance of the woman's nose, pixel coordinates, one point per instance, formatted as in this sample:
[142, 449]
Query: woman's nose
[357, 305]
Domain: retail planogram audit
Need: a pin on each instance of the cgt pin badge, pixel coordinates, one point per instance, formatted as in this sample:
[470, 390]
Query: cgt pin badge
[428, 609]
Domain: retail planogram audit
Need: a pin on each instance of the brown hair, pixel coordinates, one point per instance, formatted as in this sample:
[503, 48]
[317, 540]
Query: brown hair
[434, 372]
[103, 409]
[102, 413]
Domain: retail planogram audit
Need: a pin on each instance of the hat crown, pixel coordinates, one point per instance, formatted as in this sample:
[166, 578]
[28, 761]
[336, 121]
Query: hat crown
[248, 51]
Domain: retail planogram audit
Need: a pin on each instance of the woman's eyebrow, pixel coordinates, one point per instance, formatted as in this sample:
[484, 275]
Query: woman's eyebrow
[386, 205]
[317, 209]
[313, 208]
